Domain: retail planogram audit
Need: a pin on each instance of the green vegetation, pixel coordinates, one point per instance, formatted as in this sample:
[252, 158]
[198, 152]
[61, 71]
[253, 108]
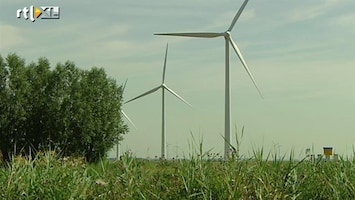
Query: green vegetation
[49, 176]
[76, 111]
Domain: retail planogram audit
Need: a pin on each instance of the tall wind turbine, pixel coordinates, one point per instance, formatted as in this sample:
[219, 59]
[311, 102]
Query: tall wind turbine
[228, 39]
[164, 87]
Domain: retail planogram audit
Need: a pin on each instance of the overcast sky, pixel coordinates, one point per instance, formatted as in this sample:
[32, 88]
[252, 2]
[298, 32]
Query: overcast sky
[301, 54]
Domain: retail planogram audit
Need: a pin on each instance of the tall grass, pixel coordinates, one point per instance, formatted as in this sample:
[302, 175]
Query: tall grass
[48, 176]
[45, 176]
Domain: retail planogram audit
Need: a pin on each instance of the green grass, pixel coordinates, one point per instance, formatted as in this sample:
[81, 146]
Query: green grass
[47, 176]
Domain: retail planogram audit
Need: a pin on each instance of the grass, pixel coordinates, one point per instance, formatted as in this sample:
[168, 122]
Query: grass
[47, 176]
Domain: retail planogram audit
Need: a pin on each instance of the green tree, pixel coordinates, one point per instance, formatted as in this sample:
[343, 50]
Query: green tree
[64, 94]
[76, 111]
[38, 104]
[97, 116]
[13, 115]
[3, 105]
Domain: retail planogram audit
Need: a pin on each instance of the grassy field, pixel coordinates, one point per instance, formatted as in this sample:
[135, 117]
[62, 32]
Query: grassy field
[47, 176]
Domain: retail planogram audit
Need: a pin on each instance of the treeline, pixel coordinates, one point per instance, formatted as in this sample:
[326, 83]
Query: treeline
[75, 111]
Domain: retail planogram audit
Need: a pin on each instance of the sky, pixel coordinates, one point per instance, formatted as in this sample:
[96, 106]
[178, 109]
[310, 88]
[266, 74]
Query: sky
[301, 54]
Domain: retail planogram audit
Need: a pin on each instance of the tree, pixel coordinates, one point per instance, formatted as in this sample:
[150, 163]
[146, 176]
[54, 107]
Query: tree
[76, 111]
[38, 104]
[97, 115]
[13, 114]
[65, 95]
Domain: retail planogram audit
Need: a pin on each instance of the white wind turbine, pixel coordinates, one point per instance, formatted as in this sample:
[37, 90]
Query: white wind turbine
[123, 113]
[228, 39]
[164, 87]
[118, 147]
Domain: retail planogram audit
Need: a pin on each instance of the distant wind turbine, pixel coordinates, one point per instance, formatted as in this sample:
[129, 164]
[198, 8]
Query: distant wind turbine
[164, 87]
[123, 113]
[228, 39]
[118, 147]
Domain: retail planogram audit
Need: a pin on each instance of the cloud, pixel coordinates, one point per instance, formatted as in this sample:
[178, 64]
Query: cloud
[11, 37]
[224, 20]
[247, 15]
[345, 20]
[317, 9]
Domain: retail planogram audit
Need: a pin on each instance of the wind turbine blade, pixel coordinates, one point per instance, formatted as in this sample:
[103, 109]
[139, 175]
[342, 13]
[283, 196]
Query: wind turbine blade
[146, 93]
[178, 96]
[126, 116]
[166, 54]
[201, 35]
[236, 49]
[124, 85]
[238, 15]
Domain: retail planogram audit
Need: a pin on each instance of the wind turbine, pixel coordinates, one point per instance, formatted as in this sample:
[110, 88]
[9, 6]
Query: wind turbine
[118, 147]
[228, 39]
[123, 113]
[164, 87]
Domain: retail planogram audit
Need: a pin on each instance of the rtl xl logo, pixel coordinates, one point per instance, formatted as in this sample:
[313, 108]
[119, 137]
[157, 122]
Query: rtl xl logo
[42, 12]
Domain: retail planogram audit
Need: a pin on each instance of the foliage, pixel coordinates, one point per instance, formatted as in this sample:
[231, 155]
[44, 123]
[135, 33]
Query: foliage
[48, 176]
[75, 111]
